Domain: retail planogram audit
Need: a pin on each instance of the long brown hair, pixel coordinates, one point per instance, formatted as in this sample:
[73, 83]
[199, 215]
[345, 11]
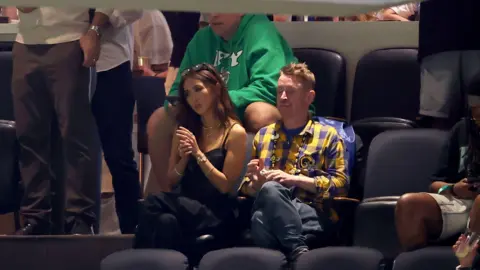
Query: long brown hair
[211, 78]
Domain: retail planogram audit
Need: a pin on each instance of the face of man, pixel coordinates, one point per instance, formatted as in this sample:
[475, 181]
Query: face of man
[293, 100]
[224, 25]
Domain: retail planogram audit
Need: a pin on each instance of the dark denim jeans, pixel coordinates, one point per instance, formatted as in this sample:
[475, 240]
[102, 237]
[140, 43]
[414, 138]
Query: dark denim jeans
[279, 220]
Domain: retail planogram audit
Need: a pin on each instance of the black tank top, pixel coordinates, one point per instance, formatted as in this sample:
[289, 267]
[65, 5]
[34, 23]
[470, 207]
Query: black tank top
[195, 185]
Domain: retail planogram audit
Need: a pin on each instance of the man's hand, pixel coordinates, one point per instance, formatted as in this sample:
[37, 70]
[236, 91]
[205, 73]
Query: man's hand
[462, 190]
[90, 44]
[281, 177]
[26, 9]
[466, 261]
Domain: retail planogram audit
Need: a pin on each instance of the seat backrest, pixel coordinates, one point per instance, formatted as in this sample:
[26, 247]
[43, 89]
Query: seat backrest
[6, 102]
[242, 258]
[340, 258]
[387, 84]
[438, 258]
[9, 168]
[402, 161]
[150, 94]
[365, 130]
[329, 70]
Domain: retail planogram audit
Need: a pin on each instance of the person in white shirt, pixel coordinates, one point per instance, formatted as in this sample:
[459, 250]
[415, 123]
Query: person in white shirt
[53, 57]
[400, 13]
[112, 106]
[153, 40]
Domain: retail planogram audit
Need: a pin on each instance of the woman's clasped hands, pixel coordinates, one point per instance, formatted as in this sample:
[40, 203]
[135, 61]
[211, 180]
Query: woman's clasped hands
[187, 143]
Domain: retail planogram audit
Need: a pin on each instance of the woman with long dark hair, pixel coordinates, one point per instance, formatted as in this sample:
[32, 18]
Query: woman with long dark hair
[207, 157]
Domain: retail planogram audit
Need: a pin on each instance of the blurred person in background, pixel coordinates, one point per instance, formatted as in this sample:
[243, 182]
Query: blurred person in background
[112, 106]
[403, 13]
[183, 26]
[153, 41]
[54, 55]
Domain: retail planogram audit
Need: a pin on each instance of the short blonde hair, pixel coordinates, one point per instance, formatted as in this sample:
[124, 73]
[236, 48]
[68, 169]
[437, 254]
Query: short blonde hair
[300, 72]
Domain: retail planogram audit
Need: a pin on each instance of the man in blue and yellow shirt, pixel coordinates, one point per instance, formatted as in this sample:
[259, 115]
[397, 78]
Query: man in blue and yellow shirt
[297, 165]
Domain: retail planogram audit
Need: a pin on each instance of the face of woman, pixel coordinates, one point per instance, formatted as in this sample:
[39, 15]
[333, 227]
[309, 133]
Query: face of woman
[199, 96]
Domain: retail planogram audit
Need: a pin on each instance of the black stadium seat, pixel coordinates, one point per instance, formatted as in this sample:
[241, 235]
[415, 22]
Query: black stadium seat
[340, 258]
[147, 259]
[399, 162]
[243, 259]
[387, 84]
[6, 103]
[329, 69]
[431, 258]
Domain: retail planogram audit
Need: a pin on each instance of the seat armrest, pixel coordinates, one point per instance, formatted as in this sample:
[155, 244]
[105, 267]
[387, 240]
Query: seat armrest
[382, 199]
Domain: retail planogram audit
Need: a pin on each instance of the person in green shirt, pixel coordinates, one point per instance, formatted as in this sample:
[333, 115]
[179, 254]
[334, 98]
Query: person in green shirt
[249, 52]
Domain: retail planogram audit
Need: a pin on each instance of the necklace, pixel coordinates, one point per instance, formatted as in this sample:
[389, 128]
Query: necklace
[209, 130]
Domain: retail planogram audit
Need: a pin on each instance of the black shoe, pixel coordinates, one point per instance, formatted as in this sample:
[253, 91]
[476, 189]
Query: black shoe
[79, 227]
[32, 229]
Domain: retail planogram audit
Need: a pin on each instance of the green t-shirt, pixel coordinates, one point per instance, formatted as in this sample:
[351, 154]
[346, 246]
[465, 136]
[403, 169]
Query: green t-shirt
[251, 60]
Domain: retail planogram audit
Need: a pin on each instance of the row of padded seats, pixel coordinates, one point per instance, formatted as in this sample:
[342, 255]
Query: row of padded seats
[331, 258]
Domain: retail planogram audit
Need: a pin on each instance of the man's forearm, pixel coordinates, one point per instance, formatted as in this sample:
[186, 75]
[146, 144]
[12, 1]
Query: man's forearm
[306, 183]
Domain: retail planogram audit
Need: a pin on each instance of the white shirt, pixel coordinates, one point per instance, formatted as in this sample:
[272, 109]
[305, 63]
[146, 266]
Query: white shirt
[117, 40]
[153, 38]
[406, 10]
[48, 25]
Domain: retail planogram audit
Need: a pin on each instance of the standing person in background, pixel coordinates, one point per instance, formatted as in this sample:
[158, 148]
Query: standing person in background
[183, 26]
[449, 53]
[153, 41]
[112, 106]
[53, 57]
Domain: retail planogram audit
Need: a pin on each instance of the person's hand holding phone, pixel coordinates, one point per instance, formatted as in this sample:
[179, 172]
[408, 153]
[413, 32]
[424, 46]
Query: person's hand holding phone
[463, 190]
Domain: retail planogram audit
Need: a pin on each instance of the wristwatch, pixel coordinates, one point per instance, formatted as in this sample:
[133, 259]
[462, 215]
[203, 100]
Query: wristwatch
[95, 28]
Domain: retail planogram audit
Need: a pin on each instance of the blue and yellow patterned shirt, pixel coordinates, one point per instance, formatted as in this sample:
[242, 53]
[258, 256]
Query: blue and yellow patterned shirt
[316, 152]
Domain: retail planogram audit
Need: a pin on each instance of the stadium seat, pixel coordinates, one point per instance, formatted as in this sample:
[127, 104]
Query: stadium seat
[430, 258]
[149, 94]
[387, 84]
[146, 259]
[242, 259]
[329, 69]
[365, 131]
[6, 104]
[340, 258]
[398, 162]
[9, 173]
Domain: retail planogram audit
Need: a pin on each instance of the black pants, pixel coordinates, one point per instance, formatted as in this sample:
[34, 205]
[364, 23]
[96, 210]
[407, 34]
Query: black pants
[172, 221]
[52, 108]
[112, 105]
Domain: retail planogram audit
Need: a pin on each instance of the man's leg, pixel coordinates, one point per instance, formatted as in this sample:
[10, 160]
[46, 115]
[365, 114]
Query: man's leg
[33, 116]
[421, 217]
[440, 96]
[112, 106]
[160, 130]
[258, 115]
[279, 216]
[70, 84]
